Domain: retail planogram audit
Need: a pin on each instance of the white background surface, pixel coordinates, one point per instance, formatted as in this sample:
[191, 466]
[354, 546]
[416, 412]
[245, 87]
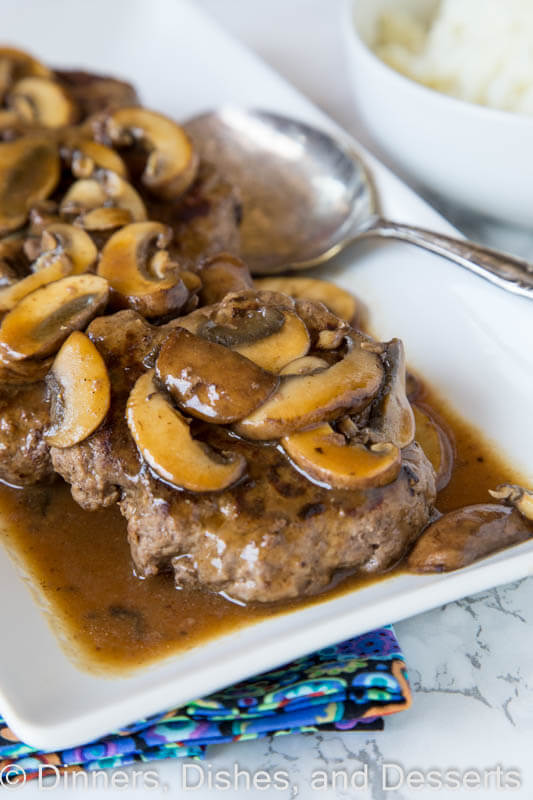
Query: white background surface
[471, 662]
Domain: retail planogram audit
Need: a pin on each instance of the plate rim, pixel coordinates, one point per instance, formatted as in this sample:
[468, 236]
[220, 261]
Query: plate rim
[66, 732]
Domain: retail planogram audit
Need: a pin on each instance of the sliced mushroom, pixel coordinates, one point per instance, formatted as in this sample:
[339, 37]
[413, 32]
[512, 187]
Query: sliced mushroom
[64, 250]
[29, 172]
[16, 64]
[305, 400]
[80, 389]
[263, 327]
[285, 337]
[11, 295]
[391, 418]
[305, 366]
[121, 194]
[222, 274]
[164, 440]
[172, 161]
[104, 219]
[105, 190]
[277, 350]
[140, 272]
[209, 381]
[340, 302]
[85, 194]
[327, 457]
[41, 101]
[463, 536]
[42, 320]
[238, 328]
[85, 157]
[62, 240]
[516, 496]
[436, 444]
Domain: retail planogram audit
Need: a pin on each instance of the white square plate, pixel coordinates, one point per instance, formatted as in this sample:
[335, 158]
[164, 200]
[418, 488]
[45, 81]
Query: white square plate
[470, 340]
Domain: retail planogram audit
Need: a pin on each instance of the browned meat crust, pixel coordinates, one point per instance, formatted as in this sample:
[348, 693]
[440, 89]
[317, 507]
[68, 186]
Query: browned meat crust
[276, 535]
[205, 220]
[24, 454]
[95, 93]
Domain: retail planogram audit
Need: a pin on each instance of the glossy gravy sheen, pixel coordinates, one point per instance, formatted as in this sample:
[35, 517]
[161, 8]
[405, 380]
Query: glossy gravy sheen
[80, 562]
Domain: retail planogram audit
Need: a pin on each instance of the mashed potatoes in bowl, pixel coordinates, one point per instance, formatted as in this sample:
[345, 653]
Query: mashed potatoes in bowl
[477, 50]
[444, 88]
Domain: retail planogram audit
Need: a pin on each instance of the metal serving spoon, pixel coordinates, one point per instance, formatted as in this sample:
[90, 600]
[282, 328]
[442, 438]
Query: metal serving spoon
[306, 196]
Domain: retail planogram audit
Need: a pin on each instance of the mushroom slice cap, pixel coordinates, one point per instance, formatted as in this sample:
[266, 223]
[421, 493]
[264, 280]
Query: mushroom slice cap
[392, 418]
[65, 250]
[42, 320]
[105, 190]
[29, 172]
[465, 535]
[105, 218]
[305, 366]
[127, 263]
[86, 156]
[305, 400]
[84, 194]
[436, 444]
[172, 161]
[517, 496]
[337, 300]
[22, 63]
[209, 381]
[81, 390]
[274, 352]
[235, 330]
[41, 101]
[16, 64]
[327, 457]
[60, 239]
[122, 194]
[164, 440]
[11, 295]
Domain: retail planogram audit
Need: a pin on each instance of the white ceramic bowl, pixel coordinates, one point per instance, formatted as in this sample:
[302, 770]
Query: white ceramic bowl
[477, 157]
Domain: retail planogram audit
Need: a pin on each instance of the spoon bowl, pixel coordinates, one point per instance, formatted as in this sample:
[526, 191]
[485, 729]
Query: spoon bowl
[302, 191]
[306, 195]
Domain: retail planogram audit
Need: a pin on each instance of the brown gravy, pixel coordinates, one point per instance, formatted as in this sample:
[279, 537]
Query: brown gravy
[113, 620]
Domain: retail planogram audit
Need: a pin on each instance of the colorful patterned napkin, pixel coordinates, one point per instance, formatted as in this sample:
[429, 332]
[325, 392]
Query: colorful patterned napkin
[350, 686]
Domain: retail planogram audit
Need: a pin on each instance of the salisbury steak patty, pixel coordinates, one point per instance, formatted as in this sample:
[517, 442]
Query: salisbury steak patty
[274, 534]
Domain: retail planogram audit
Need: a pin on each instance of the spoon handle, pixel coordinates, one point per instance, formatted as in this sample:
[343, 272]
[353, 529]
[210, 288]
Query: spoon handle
[510, 273]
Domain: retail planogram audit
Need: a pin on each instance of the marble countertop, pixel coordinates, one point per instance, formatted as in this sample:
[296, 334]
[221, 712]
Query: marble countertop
[470, 662]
